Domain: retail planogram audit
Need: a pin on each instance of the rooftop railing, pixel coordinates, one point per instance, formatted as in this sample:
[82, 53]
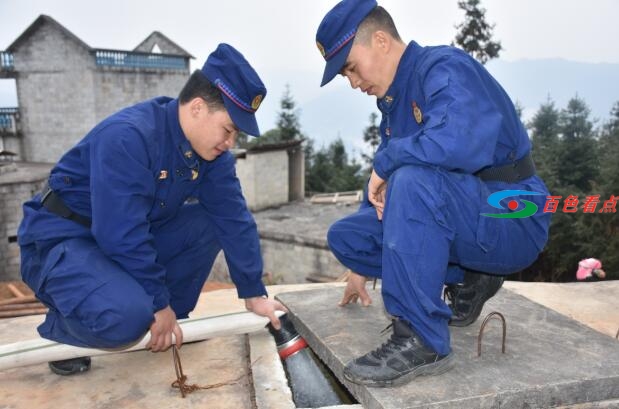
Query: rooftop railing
[131, 59]
[9, 121]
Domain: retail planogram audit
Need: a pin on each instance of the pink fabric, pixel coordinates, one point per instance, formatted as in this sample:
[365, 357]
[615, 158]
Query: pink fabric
[585, 268]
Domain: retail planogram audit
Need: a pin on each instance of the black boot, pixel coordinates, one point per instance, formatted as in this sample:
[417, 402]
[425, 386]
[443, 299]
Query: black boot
[400, 359]
[466, 300]
[70, 366]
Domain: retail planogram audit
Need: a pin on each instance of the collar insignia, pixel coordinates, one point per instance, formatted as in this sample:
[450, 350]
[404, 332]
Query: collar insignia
[417, 113]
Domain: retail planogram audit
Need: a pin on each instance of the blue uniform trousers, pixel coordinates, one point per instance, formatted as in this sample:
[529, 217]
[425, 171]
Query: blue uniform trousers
[431, 229]
[93, 302]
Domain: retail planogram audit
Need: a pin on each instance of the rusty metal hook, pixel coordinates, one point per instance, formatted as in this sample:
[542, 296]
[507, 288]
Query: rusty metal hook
[483, 326]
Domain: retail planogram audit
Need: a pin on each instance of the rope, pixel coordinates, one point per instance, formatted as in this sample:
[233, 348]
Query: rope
[181, 378]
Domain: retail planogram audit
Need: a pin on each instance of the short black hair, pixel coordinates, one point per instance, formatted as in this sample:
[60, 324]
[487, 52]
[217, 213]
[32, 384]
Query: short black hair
[378, 19]
[198, 86]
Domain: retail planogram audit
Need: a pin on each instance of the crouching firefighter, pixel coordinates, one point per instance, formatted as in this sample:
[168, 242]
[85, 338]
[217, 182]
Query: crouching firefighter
[450, 138]
[115, 247]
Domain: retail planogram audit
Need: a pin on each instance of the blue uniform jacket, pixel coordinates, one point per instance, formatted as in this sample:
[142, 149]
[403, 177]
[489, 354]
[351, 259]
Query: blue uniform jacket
[132, 173]
[465, 121]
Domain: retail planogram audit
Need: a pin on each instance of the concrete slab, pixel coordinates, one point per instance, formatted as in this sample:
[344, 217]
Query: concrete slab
[142, 379]
[270, 383]
[595, 304]
[551, 360]
[137, 380]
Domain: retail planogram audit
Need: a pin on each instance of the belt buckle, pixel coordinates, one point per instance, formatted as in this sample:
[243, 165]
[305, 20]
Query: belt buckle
[48, 191]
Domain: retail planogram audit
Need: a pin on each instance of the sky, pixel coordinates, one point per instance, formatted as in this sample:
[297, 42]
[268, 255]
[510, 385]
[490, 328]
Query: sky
[278, 36]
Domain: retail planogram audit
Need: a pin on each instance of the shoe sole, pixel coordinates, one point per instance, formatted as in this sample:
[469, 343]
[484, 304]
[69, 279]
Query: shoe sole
[477, 311]
[435, 368]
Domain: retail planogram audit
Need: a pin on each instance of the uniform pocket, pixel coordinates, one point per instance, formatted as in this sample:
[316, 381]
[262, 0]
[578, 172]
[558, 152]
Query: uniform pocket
[69, 274]
[53, 258]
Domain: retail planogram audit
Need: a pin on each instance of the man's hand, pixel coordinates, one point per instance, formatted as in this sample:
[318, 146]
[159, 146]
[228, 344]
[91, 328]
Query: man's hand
[355, 289]
[266, 308]
[377, 188]
[161, 331]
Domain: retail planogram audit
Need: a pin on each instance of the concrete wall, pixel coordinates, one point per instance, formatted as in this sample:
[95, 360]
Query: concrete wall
[291, 263]
[62, 94]
[264, 178]
[115, 88]
[296, 166]
[12, 195]
[287, 263]
[13, 144]
[54, 91]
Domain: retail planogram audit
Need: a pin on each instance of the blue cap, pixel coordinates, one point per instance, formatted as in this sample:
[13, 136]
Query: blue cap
[336, 32]
[242, 89]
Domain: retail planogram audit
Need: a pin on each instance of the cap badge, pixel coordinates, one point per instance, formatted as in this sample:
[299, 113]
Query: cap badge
[163, 174]
[417, 113]
[320, 48]
[255, 103]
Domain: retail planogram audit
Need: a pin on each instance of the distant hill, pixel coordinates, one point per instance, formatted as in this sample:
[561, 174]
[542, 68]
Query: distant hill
[531, 81]
[339, 110]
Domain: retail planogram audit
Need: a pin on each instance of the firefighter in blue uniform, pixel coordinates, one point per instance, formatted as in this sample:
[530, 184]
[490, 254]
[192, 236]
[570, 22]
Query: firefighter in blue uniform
[124, 236]
[450, 137]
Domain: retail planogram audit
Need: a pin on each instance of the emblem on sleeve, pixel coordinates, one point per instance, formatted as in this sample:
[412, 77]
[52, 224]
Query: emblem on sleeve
[417, 113]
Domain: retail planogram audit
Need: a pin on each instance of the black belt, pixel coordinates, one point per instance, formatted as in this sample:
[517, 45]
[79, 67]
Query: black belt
[52, 202]
[512, 173]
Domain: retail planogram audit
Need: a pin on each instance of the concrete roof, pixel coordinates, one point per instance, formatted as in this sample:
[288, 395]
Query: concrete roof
[22, 172]
[549, 359]
[301, 222]
[155, 35]
[32, 28]
[142, 379]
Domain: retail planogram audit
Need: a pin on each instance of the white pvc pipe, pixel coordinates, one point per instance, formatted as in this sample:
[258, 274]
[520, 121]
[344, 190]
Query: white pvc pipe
[40, 350]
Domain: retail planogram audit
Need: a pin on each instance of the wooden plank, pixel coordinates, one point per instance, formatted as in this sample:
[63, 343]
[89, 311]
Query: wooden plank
[14, 290]
[19, 300]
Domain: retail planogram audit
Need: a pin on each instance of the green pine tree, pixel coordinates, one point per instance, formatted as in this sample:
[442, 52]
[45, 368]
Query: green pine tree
[330, 170]
[288, 118]
[544, 130]
[475, 34]
[371, 135]
[564, 149]
[578, 164]
[603, 242]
